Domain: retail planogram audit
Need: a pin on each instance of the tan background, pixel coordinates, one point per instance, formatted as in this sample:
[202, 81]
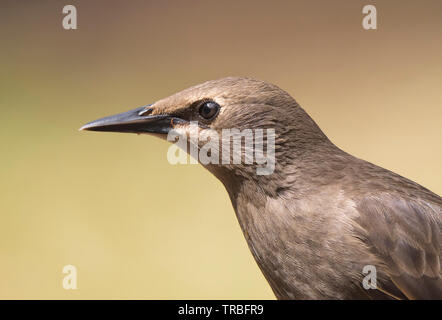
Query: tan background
[110, 204]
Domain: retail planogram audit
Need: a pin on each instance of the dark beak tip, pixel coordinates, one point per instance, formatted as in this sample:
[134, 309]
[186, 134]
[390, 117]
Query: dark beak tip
[88, 127]
[115, 120]
[138, 120]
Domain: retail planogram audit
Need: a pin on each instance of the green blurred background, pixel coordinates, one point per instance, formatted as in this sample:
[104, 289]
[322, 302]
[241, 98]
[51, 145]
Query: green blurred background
[111, 205]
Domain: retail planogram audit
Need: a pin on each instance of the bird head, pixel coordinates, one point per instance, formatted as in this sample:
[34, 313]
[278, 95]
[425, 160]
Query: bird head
[210, 109]
[217, 104]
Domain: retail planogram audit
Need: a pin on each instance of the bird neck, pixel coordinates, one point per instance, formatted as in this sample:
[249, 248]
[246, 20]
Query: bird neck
[293, 168]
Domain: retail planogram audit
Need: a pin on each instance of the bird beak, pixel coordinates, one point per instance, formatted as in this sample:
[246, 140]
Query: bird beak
[135, 121]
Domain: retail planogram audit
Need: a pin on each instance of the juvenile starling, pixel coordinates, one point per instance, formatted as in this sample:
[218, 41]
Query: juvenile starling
[322, 215]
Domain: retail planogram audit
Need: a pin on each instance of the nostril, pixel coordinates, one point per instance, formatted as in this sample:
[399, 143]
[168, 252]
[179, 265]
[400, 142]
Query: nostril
[145, 112]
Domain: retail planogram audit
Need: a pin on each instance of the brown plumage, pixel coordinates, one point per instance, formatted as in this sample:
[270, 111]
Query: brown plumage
[322, 215]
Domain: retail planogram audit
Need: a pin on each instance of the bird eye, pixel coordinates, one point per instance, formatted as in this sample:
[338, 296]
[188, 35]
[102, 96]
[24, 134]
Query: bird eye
[209, 109]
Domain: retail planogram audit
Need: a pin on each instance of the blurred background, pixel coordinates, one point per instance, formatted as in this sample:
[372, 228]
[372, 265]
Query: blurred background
[111, 205]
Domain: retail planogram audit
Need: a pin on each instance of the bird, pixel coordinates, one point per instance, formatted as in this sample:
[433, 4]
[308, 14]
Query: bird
[322, 215]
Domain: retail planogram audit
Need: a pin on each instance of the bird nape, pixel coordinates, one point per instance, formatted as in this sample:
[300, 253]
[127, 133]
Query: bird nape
[321, 224]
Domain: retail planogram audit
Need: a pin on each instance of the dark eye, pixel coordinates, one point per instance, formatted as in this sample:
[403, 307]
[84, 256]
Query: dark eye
[209, 109]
